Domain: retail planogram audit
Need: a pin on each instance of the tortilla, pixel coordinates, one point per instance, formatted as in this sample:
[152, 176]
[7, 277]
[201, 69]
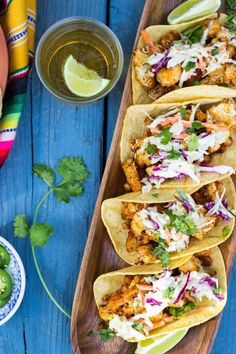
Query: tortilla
[111, 216]
[155, 32]
[108, 283]
[134, 127]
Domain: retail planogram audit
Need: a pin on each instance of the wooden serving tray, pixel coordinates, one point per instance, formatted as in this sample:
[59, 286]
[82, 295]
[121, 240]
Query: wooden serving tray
[100, 257]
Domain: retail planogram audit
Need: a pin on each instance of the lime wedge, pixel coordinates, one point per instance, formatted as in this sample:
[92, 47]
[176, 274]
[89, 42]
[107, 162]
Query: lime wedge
[82, 81]
[161, 344]
[192, 9]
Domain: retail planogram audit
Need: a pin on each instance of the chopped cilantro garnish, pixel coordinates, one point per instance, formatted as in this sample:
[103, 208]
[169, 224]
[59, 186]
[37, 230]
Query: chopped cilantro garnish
[190, 65]
[183, 112]
[217, 291]
[150, 148]
[180, 223]
[215, 51]
[138, 326]
[166, 136]
[195, 127]
[160, 251]
[225, 231]
[177, 312]
[230, 22]
[106, 333]
[168, 293]
[173, 155]
[192, 142]
[193, 35]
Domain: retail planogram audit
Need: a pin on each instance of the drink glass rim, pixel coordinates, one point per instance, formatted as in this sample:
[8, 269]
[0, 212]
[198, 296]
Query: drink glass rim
[88, 20]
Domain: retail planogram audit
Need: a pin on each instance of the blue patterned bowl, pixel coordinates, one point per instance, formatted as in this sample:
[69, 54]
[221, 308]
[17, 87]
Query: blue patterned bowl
[17, 272]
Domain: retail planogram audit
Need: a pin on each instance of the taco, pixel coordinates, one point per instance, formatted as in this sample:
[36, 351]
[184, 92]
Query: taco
[161, 231]
[169, 57]
[180, 144]
[142, 302]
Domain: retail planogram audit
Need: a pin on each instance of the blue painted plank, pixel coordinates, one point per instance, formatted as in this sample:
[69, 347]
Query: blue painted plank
[49, 130]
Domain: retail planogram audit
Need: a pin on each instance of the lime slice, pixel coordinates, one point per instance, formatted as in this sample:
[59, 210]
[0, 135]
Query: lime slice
[82, 81]
[192, 9]
[161, 344]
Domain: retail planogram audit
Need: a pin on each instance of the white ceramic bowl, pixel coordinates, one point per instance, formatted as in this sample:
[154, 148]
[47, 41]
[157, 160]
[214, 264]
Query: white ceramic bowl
[17, 273]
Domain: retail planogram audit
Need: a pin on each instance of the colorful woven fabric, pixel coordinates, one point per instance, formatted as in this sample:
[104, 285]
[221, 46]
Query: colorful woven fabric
[17, 18]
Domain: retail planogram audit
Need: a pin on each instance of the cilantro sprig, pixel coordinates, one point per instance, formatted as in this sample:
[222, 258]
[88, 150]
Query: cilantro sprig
[106, 334]
[193, 34]
[161, 252]
[178, 312]
[73, 174]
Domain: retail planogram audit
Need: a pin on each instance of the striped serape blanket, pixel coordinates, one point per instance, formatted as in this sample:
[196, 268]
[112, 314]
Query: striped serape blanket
[17, 18]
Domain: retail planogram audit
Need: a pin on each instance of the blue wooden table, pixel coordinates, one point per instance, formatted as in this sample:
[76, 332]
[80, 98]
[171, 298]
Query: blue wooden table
[49, 130]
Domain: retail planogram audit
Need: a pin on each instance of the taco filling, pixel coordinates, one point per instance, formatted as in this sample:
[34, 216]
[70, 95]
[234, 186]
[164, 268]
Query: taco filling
[203, 54]
[157, 230]
[144, 303]
[181, 143]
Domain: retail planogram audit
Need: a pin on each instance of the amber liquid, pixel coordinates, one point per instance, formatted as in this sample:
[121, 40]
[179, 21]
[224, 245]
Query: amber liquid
[86, 46]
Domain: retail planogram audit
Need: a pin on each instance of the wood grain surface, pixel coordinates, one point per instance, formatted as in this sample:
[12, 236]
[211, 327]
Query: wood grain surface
[49, 130]
[99, 255]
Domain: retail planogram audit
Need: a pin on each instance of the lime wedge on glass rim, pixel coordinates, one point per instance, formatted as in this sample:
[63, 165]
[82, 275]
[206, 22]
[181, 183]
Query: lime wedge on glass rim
[192, 9]
[161, 344]
[82, 81]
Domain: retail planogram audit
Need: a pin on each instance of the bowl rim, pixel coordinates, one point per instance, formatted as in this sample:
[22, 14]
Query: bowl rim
[23, 281]
[79, 19]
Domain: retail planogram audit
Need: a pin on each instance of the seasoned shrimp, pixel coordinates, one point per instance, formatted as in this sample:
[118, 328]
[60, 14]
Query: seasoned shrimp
[224, 112]
[129, 209]
[145, 254]
[214, 26]
[166, 40]
[169, 77]
[142, 158]
[159, 91]
[145, 76]
[136, 225]
[193, 264]
[132, 175]
[230, 74]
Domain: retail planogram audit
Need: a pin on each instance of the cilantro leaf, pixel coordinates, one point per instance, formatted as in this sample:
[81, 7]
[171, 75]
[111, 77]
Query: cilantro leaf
[173, 155]
[190, 65]
[178, 312]
[66, 191]
[40, 234]
[166, 136]
[183, 112]
[225, 231]
[215, 51]
[195, 127]
[192, 142]
[168, 293]
[44, 172]
[72, 169]
[160, 251]
[138, 326]
[193, 35]
[150, 148]
[231, 4]
[21, 228]
[106, 333]
[230, 22]
[217, 291]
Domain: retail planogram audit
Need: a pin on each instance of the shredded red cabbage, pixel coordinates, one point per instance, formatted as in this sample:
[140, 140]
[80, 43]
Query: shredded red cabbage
[208, 280]
[183, 289]
[185, 204]
[156, 67]
[155, 224]
[210, 204]
[219, 296]
[153, 302]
